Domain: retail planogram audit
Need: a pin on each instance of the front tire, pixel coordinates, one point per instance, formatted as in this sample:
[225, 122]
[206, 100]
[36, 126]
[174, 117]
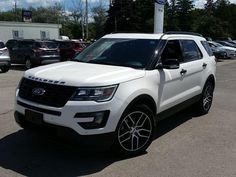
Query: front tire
[135, 131]
[28, 64]
[204, 104]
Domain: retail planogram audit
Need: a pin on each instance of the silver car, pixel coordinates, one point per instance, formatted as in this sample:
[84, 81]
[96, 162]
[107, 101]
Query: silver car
[4, 58]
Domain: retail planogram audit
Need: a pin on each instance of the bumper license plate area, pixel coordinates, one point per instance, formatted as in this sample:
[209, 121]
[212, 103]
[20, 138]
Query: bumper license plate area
[33, 117]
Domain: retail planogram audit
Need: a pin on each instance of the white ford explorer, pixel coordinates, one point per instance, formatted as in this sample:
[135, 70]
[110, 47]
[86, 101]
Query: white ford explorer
[117, 88]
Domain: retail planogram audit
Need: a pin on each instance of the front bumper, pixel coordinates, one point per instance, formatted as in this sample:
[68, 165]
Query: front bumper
[220, 55]
[104, 140]
[65, 116]
[4, 61]
[43, 60]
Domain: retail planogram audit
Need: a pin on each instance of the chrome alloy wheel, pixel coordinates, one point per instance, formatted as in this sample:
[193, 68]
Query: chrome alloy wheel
[208, 97]
[135, 131]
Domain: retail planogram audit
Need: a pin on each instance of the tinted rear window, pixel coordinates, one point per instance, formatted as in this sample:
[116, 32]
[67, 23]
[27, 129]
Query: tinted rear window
[190, 50]
[207, 47]
[66, 45]
[2, 45]
[48, 45]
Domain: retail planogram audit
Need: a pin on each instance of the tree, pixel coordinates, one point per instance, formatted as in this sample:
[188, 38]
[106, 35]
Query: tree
[171, 20]
[100, 16]
[130, 16]
[184, 10]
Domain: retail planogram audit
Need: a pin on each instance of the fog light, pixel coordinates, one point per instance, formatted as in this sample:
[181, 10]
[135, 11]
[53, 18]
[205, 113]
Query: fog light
[99, 119]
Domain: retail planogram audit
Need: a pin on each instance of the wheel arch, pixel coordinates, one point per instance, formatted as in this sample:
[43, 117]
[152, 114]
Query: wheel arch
[144, 99]
[211, 79]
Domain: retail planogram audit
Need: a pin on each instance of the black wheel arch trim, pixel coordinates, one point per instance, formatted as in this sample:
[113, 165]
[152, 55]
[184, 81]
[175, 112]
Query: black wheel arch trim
[141, 100]
[211, 79]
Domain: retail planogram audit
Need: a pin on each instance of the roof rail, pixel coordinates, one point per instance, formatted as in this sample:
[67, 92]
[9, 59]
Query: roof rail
[183, 32]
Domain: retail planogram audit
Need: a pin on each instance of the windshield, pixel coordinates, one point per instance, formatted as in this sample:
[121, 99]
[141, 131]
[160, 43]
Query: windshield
[135, 53]
[217, 44]
[48, 45]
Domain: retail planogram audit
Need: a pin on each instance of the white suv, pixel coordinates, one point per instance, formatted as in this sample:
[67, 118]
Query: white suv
[119, 87]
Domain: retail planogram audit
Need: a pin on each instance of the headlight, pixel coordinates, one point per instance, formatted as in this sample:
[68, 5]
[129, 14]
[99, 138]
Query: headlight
[98, 94]
[231, 50]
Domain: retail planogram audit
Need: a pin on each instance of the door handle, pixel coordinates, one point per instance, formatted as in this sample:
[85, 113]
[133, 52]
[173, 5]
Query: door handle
[204, 65]
[183, 71]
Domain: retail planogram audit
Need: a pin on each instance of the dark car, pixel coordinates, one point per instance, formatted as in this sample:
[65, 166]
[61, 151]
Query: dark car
[68, 49]
[33, 52]
[219, 53]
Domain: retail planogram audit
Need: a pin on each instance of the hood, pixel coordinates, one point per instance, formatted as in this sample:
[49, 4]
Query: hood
[218, 49]
[84, 74]
[228, 48]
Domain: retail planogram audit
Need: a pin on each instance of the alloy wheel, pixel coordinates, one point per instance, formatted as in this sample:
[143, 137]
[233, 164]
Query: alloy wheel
[208, 97]
[135, 131]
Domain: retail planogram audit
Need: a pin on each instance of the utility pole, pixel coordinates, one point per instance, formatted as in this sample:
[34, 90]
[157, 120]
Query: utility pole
[82, 23]
[86, 9]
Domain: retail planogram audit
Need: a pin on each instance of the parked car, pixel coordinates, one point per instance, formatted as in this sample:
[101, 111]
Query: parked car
[32, 52]
[231, 51]
[219, 52]
[116, 90]
[226, 43]
[4, 58]
[68, 48]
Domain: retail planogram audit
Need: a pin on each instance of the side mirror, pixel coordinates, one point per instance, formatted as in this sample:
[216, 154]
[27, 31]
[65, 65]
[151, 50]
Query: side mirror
[169, 64]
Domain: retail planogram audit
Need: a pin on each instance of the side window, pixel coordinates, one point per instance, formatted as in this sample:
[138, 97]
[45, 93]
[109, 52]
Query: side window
[15, 34]
[66, 45]
[172, 50]
[21, 44]
[36, 45]
[207, 48]
[190, 50]
[43, 35]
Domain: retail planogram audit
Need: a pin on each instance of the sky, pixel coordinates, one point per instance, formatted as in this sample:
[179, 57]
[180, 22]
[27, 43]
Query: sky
[9, 4]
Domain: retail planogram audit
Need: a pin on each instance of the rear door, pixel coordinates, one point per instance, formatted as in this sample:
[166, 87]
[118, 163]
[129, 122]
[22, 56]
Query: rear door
[194, 65]
[184, 83]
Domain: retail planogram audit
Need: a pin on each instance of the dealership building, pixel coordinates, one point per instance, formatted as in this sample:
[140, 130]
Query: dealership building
[23, 30]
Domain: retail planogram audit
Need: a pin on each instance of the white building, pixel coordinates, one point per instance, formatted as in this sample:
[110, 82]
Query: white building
[22, 30]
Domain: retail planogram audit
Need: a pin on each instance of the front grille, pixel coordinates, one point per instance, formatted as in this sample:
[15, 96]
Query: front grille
[55, 95]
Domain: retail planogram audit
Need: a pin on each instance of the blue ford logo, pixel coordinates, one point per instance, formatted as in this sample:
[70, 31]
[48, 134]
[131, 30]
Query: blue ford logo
[161, 2]
[38, 91]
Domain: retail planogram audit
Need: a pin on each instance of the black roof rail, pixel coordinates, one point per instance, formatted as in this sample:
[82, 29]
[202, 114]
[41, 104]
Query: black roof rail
[183, 32]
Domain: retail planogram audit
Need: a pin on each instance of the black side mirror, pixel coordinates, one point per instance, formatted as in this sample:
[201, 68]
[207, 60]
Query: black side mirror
[169, 64]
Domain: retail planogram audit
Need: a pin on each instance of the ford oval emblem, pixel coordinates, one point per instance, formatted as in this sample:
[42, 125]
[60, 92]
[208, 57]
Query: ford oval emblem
[38, 91]
[161, 2]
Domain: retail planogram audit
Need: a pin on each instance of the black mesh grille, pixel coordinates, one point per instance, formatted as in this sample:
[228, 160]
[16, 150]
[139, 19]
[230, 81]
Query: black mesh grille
[55, 95]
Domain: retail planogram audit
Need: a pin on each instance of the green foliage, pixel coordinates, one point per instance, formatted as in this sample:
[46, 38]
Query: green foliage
[130, 16]
[100, 17]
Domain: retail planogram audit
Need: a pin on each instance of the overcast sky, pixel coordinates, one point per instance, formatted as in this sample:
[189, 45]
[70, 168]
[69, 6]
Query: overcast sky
[9, 4]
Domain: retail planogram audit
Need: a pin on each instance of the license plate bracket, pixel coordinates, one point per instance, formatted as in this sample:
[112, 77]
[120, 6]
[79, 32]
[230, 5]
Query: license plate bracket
[34, 117]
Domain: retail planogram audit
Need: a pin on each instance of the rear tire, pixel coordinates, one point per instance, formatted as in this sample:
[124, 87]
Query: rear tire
[135, 131]
[204, 104]
[5, 68]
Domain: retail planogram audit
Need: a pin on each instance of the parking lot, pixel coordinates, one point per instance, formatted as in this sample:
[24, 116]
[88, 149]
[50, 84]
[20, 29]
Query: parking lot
[185, 145]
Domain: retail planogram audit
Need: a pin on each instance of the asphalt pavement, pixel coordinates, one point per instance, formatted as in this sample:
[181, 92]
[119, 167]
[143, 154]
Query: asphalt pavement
[186, 145]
